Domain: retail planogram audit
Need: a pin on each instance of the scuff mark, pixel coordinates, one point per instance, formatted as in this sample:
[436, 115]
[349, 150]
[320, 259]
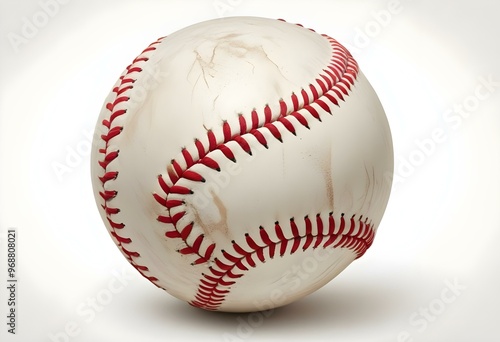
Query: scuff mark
[221, 226]
[369, 187]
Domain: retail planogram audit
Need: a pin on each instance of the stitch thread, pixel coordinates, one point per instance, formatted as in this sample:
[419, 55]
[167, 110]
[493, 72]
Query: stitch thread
[215, 286]
[125, 85]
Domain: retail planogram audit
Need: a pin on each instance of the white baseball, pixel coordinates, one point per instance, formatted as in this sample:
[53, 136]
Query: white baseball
[239, 164]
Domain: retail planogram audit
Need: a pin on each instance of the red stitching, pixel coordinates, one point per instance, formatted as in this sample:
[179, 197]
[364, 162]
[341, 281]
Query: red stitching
[325, 94]
[121, 91]
[214, 286]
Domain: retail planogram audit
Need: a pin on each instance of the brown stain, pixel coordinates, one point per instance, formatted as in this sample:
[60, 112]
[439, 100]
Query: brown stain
[220, 226]
[171, 170]
[325, 165]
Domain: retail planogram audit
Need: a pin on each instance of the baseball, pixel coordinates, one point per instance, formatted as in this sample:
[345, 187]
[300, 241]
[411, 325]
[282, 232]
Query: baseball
[240, 163]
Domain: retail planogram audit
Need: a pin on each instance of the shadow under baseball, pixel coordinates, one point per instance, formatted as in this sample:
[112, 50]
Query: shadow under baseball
[342, 305]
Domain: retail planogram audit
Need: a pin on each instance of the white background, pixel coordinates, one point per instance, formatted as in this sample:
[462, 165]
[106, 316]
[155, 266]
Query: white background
[424, 58]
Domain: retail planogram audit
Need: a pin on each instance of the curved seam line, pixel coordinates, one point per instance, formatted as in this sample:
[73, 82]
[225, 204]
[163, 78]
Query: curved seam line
[207, 297]
[121, 89]
[175, 171]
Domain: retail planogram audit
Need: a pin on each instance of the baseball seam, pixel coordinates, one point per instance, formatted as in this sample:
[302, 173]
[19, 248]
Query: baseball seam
[215, 286]
[330, 88]
[116, 109]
